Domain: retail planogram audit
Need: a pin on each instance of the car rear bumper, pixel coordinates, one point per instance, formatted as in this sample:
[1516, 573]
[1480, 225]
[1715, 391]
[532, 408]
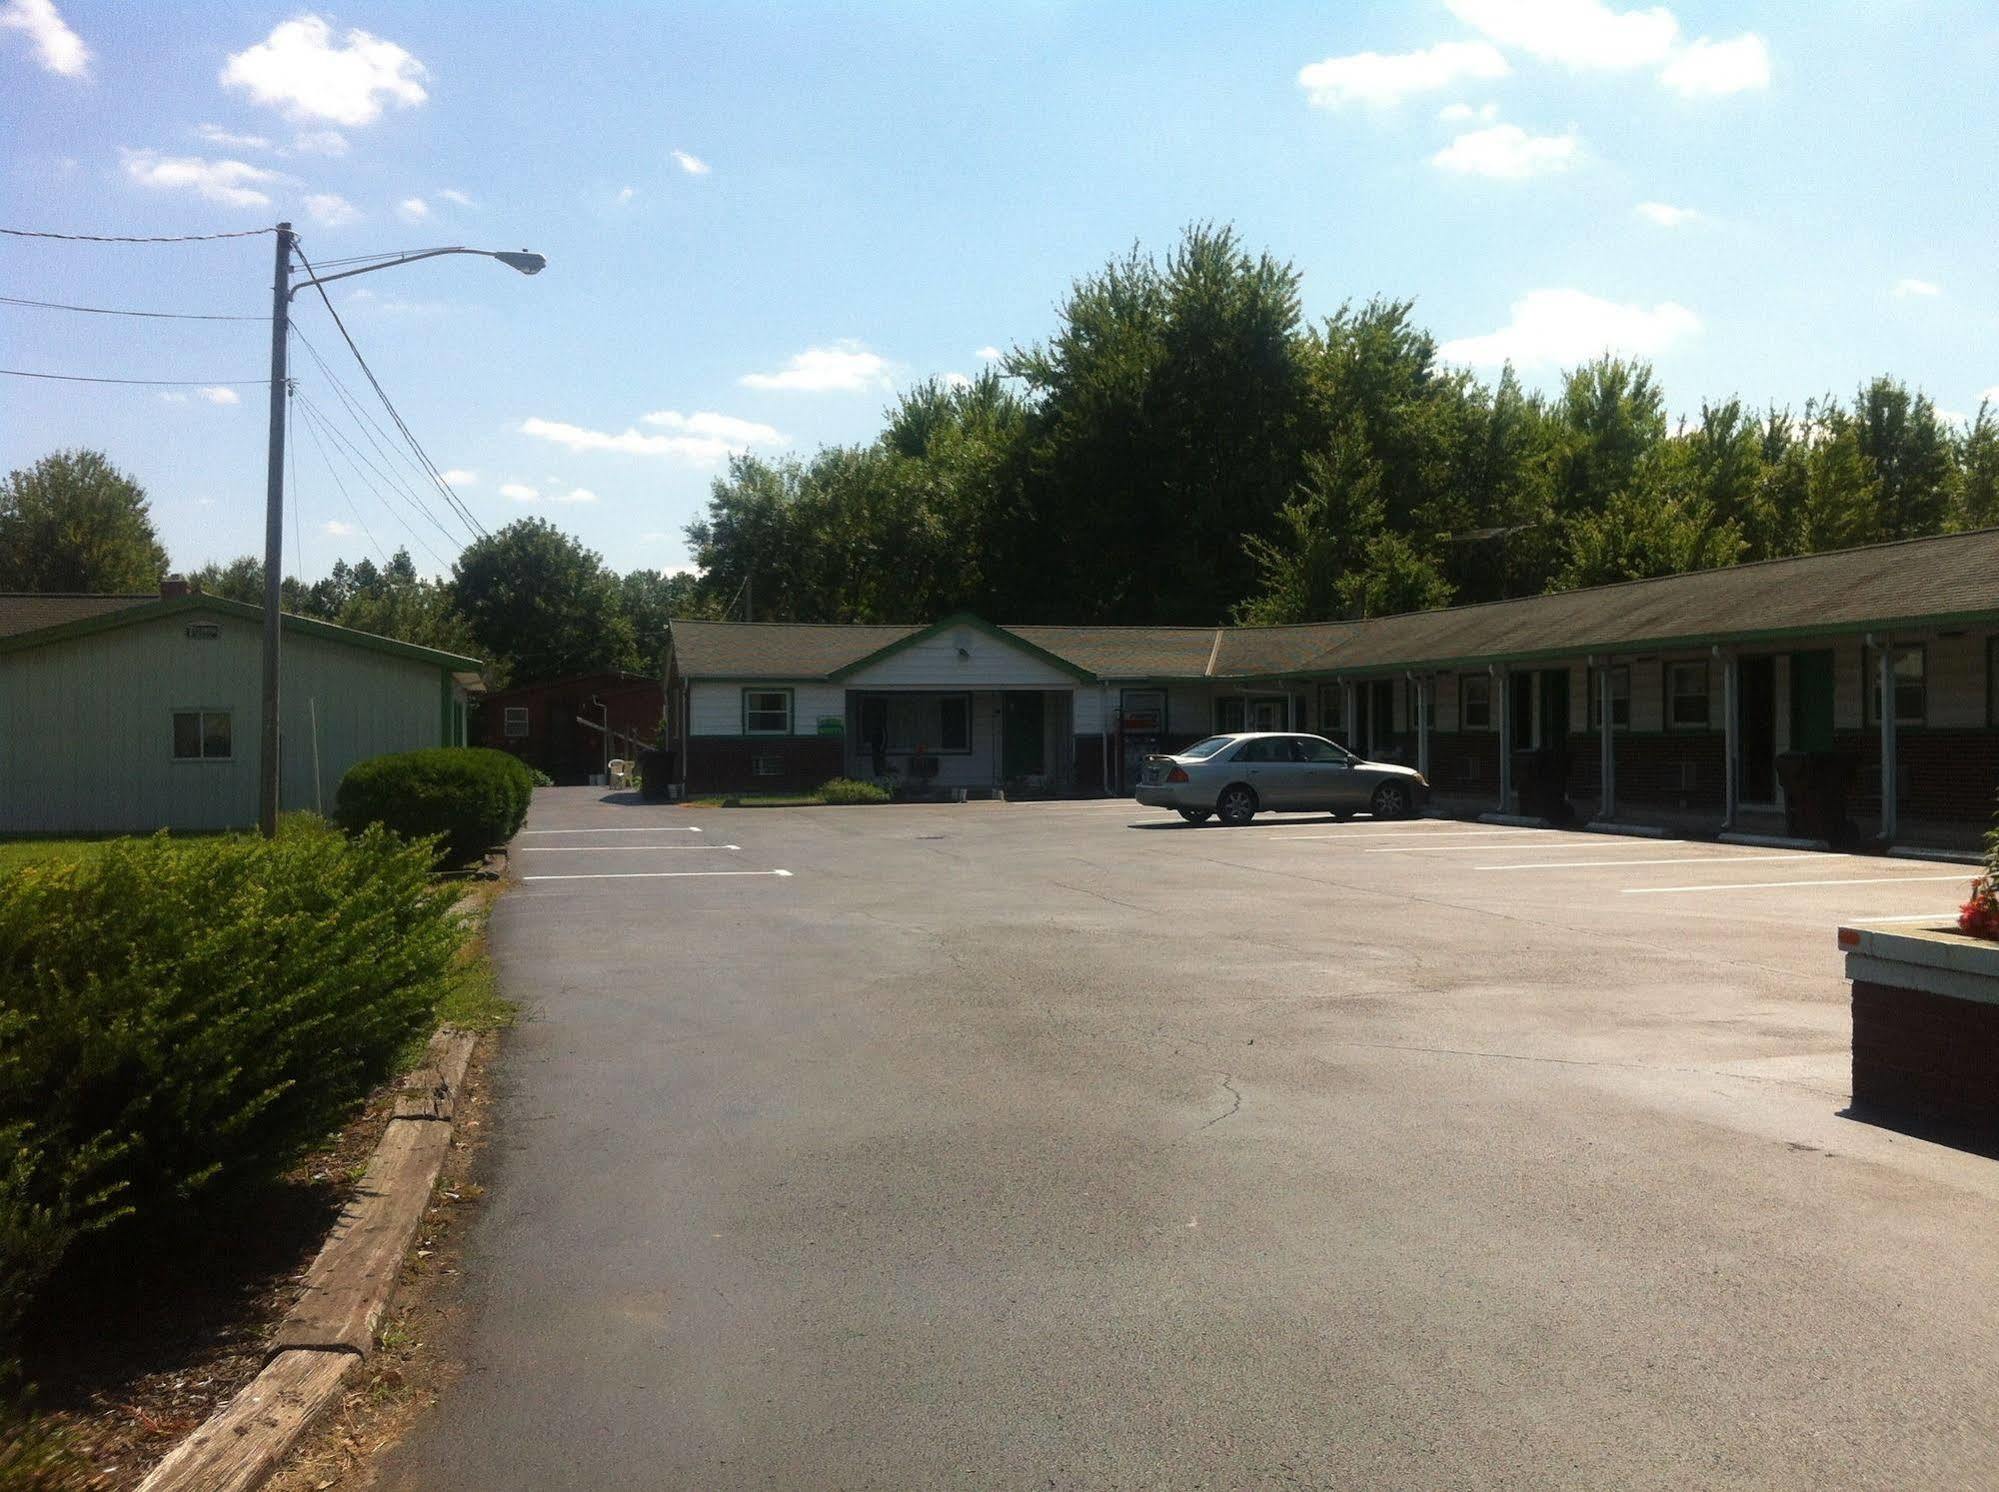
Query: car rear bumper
[1168, 795]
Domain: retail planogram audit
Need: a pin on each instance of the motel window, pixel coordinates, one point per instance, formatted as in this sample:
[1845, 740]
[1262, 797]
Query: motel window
[1910, 685]
[1620, 698]
[1686, 696]
[1992, 681]
[1332, 708]
[516, 722]
[1475, 702]
[1230, 714]
[201, 736]
[766, 712]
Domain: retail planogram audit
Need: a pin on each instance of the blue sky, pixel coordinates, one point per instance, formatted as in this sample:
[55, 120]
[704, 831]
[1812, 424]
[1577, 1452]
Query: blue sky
[763, 219]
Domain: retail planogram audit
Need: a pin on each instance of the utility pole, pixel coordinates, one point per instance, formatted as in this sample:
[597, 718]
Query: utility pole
[274, 538]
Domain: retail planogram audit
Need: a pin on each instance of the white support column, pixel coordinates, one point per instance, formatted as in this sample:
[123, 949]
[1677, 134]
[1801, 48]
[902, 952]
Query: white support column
[1884, 694]
[1346, 716]
[1501, 685]
[1731, 701]
[1419, 698]
[1606, 746]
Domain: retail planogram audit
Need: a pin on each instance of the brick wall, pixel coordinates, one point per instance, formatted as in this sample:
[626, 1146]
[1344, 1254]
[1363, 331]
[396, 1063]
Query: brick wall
[1464, 763]
[1926, 1058]
[1946, 774]
[1651, 771]
[727, 764]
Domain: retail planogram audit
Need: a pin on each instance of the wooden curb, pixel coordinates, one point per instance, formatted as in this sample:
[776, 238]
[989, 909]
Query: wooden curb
[331, 1330]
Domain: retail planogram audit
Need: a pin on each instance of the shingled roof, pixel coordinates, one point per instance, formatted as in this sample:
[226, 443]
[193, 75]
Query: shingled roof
[1950, 578]
[25, 612]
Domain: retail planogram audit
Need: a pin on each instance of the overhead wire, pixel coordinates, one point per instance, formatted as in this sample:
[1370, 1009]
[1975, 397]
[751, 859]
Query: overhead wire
[381, 393]
[208, 383]
[357, 459]
[134, 238]
[347, 497]
[53, 305]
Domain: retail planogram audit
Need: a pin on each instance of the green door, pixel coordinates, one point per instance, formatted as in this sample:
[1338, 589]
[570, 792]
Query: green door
[1554, 709]
[1811, 701]
[1022, 741]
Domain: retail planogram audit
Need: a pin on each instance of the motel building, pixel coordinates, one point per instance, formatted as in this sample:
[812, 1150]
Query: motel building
[1741, 699]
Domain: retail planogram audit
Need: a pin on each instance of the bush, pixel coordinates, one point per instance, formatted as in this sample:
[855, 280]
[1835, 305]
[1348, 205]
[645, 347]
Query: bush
[181, 1017]
[469, 797]
[1980, 915]
[847, 790]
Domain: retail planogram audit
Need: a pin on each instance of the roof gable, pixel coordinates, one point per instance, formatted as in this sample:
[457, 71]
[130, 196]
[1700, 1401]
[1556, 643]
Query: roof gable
[961, 621]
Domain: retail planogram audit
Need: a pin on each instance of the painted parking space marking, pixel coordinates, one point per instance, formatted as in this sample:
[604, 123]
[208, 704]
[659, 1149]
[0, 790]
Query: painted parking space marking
[1428, 835]
[629, 829]
[1671, 860]
[1774, 885]
[652, 875]
[614, 849]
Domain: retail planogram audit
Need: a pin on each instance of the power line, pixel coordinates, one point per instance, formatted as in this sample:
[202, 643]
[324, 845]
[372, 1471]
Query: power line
[316, 422]
[129, 238]
[341, 486]
[357, 458]
[50, 305]
[381, 393]
[208, 383]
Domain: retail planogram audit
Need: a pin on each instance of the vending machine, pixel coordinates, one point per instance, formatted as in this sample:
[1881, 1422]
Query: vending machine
[1141, 726]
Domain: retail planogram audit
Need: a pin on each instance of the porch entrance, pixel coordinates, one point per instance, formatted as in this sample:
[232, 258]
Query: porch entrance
[1023, 736]
[1756, 728]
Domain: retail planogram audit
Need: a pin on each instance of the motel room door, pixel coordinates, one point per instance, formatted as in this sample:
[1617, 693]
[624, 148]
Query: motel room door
[1811, 701]
[1023, 742]
[1756, 728]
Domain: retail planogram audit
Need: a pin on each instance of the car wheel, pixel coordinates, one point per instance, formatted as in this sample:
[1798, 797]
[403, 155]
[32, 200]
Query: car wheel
[1392, 801]
[1237, 805]
[1197, 815]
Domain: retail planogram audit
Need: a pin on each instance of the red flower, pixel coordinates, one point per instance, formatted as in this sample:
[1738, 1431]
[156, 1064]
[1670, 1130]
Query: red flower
[1980, 916]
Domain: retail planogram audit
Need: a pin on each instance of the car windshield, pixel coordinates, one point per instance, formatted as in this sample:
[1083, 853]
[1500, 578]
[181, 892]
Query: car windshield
[1202, 750]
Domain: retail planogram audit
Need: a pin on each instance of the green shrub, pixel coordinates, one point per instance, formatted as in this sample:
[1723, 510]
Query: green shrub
[469, 797]
[847, 790]
[538, 777]
[179, 1017]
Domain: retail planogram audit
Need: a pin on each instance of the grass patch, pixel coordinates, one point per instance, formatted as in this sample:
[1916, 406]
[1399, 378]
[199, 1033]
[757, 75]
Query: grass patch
[18, 854]
[472, 1001]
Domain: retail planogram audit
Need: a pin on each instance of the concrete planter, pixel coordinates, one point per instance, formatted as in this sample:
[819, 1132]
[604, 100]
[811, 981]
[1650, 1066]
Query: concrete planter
[1926, 1028]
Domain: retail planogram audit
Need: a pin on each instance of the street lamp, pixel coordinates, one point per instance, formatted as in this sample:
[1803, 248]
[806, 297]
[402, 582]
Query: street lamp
[282, 290]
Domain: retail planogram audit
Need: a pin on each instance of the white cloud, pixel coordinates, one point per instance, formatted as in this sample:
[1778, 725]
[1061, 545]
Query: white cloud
[1665, 215]
[1575, 33]
[1466, 114]
[300, 69]
[956, 381]
[1906, 288]
[220, 394]
[232, 183]
[320, 142]
[412, 209]
[991, 353]
[1957, 419]
[452, 194]
[57, 48]
[215, 134]
[173, 398]
[1990, 396]
[700, 439]
[337, 529]
[518, 491]
[1709, 69]
[693, 165]
[1381, 78]
[331, 210]
[1506, 152]
[1555, 328]
[573, 495]
[625, 194]
[845, 367]
[459, 477]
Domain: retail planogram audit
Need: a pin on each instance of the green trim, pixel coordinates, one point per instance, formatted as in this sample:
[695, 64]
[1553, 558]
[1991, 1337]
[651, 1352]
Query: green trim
[150, 611]
[790, 714]
[962, 619]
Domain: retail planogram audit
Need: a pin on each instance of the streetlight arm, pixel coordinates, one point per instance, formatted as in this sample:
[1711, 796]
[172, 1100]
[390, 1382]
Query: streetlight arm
[526, 263]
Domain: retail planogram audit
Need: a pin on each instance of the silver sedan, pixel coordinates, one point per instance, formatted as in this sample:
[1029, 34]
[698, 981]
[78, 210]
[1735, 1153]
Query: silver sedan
[1237, 777]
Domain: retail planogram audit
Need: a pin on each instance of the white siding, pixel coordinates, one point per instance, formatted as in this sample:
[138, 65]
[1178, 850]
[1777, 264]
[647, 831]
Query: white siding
[1956, 668]
[716, 709]
[990, 663]
[1087, 702]
[88, 744]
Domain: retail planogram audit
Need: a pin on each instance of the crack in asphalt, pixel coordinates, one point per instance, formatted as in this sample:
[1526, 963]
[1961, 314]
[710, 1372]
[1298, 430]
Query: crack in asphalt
[1232, 1110]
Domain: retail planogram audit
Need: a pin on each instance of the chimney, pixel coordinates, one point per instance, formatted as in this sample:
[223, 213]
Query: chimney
[173, 587]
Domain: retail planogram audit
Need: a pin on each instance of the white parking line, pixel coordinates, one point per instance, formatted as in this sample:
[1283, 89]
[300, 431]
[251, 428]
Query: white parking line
[1772, 885]
[652, 875]
[1411, 833]
[1674, 860]
[634, 829]
[612, 849]
[1950, 917]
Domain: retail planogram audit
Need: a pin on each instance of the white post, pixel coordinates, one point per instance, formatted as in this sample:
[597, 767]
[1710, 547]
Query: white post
[1885, 697]
[1504, 704]
[1607, 749]
[1346, 715]
[1731, 688]
[1420, 693]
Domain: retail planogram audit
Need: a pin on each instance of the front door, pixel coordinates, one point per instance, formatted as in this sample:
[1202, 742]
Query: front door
[1756, 728]
[1023, 742]
[1554, 732]
[1520, 709]
[1811, 701]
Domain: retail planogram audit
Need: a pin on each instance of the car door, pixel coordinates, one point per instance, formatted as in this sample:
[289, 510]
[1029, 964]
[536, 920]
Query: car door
[1325, 775]
[1265, 764]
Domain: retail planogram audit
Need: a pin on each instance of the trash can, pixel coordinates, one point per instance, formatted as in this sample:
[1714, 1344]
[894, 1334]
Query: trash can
[1816, 787]
[1541, 784]
[657, 774]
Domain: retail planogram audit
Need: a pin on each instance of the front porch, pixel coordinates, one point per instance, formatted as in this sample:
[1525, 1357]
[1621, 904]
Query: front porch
[922, 743]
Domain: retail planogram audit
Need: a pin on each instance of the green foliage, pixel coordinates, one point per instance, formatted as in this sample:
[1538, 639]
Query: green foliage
[540, 605]
[390, 600]
[74, 522]
[468, 798]
[848, 790]
[40, 1454]
[178, 1017]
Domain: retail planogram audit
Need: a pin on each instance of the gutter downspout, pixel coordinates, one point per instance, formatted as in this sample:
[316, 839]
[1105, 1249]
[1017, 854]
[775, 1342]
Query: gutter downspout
[1884, 701]
[1606, 744]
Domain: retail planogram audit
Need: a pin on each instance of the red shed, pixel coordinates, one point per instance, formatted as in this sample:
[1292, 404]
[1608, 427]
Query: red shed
[559, 725]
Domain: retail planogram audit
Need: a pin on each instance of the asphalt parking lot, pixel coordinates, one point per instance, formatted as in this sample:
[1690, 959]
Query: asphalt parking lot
[1066, 1145]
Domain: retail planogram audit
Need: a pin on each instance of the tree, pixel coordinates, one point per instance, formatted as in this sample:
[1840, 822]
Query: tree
[539, 605]
[74, 522]
[1910, 451]
[649, 600]
[1977, 498]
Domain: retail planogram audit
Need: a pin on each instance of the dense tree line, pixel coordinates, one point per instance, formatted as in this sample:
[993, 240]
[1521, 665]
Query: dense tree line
[1186, 448]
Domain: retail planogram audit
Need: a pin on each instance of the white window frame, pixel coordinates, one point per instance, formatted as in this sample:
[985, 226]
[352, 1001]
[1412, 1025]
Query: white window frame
[1466, 683]
[749, 710]
[1870, 679]
[1673, 670]
[201, 716]
[512, 716]
[1620, 694]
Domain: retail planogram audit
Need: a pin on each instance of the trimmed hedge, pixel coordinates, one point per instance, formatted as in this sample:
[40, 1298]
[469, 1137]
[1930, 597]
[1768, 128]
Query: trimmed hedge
[468, 797]
[848, 790]
[178, 1017]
